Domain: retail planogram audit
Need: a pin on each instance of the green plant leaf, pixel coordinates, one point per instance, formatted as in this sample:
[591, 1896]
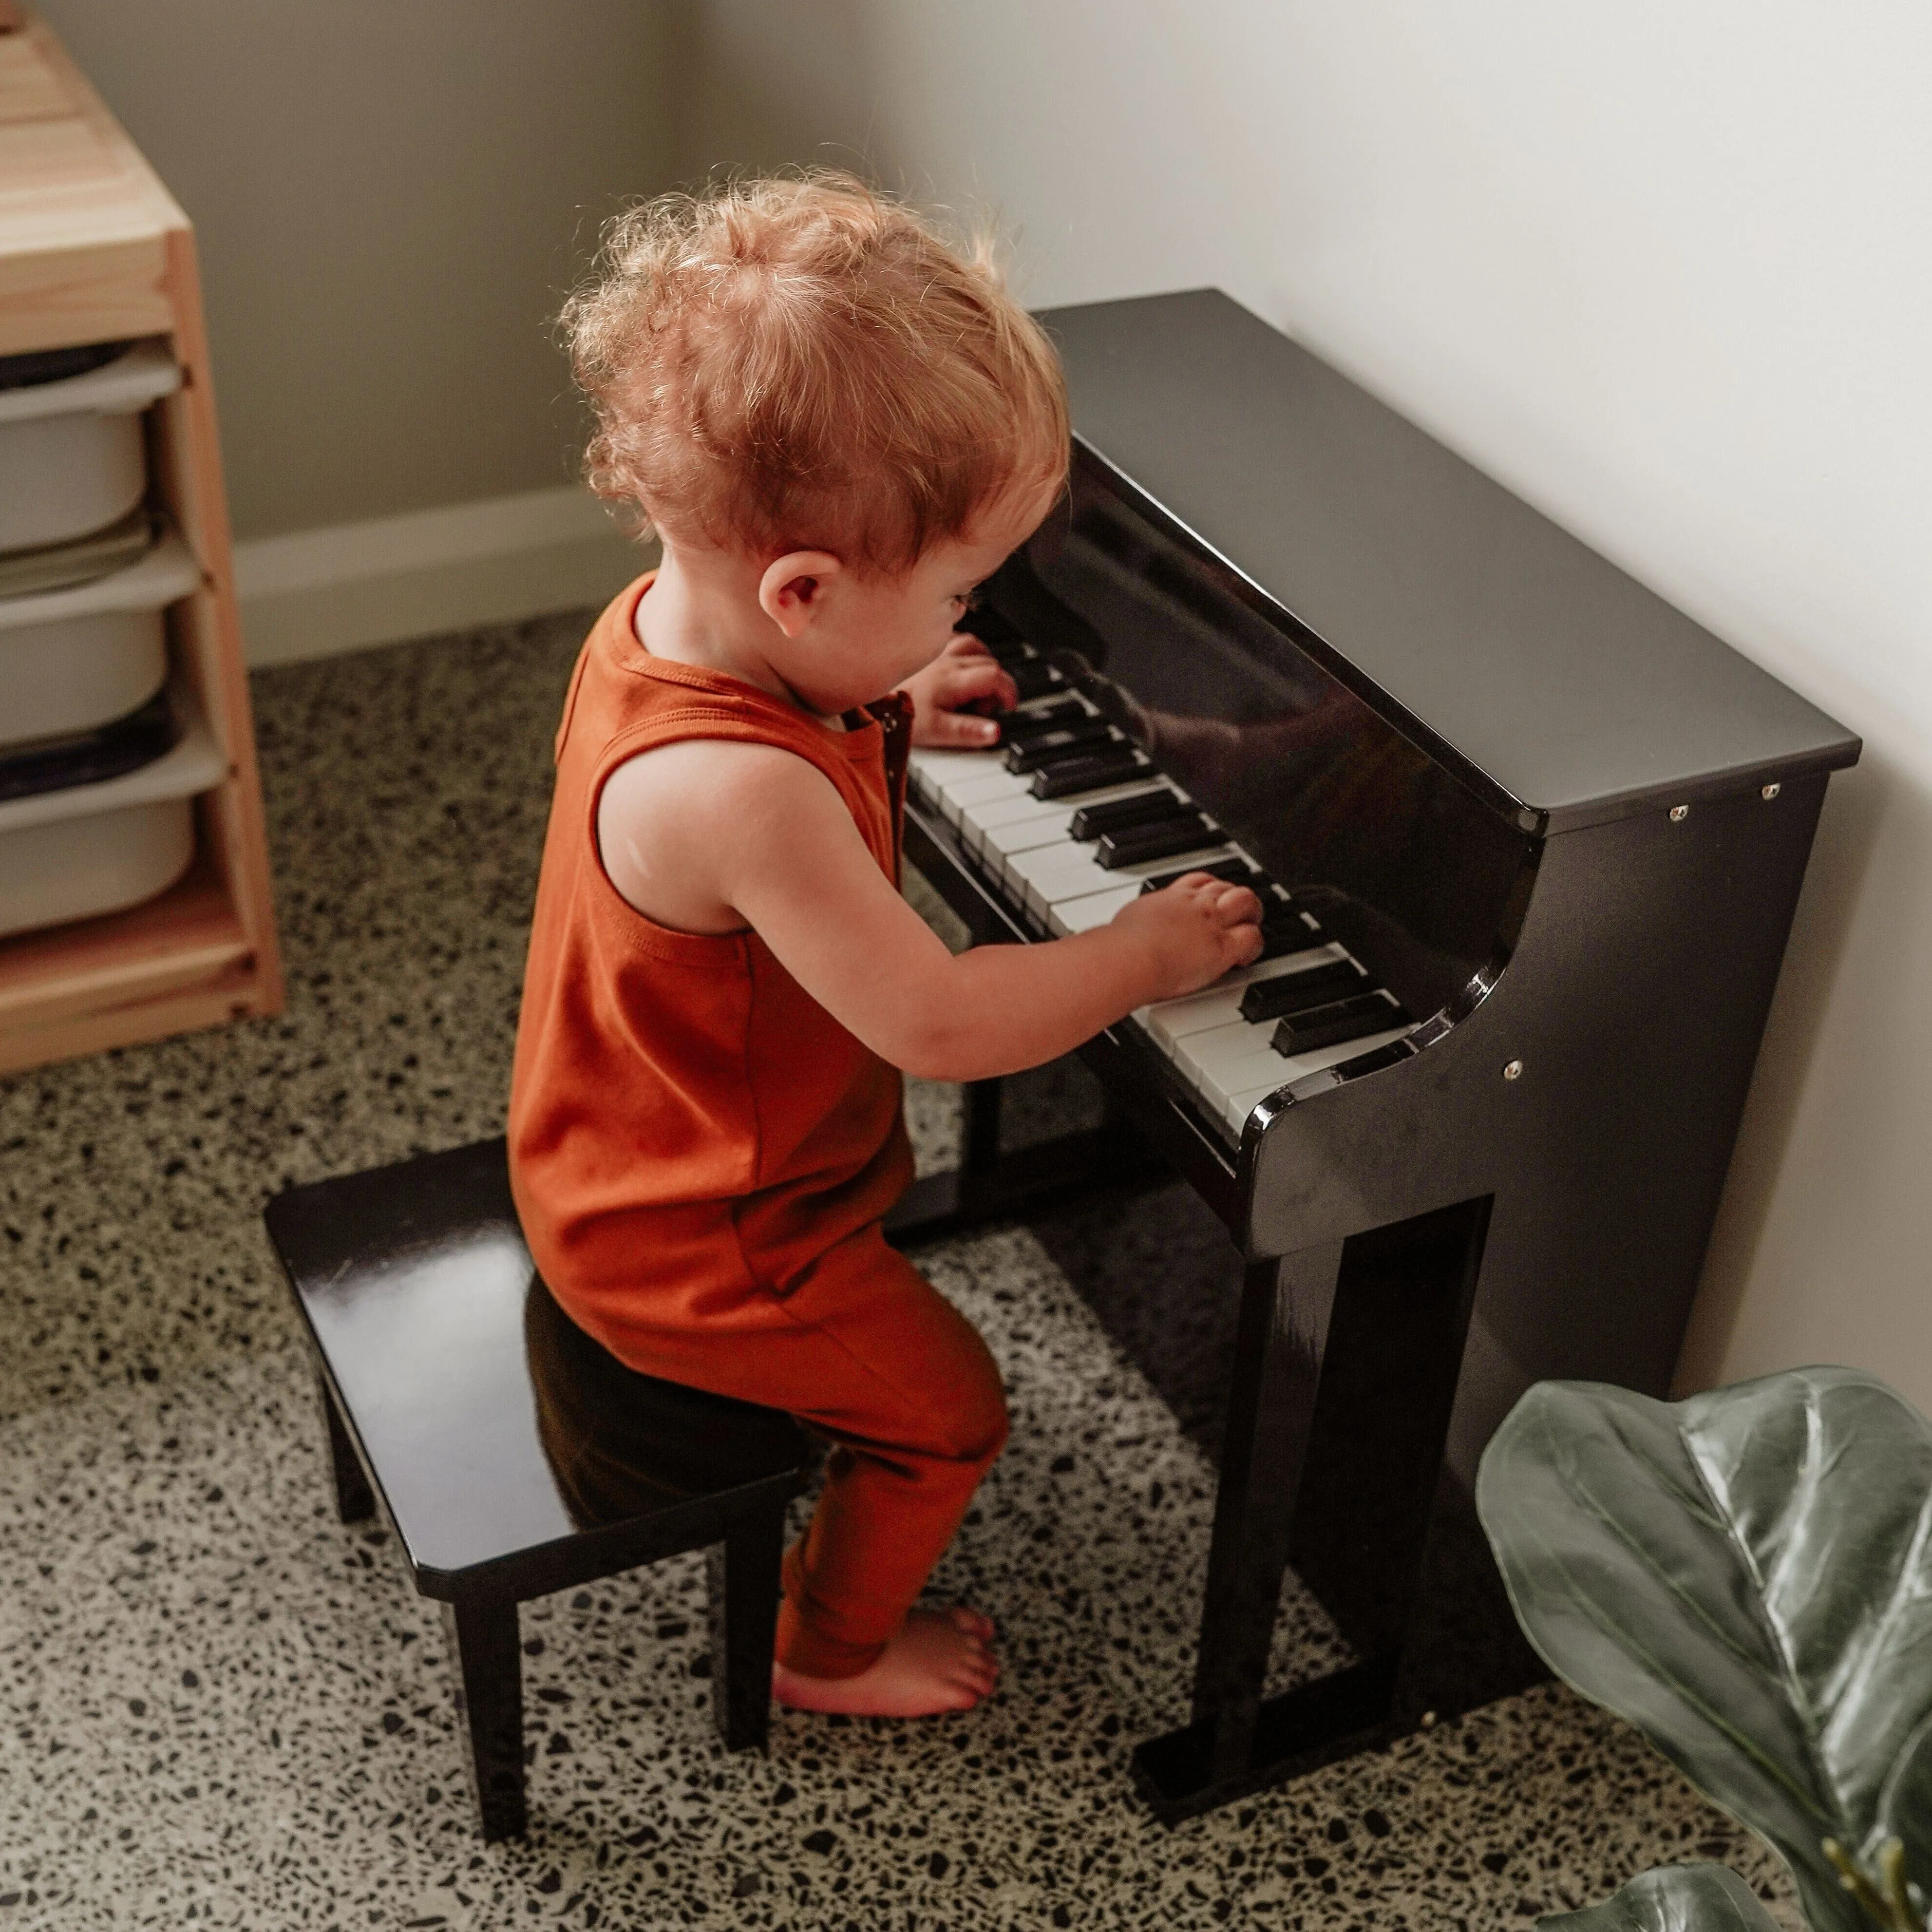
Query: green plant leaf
[1746, 1576]
[1673, 1898]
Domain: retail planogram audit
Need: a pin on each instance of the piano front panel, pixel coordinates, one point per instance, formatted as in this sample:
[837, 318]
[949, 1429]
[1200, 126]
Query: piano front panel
[1413, 871]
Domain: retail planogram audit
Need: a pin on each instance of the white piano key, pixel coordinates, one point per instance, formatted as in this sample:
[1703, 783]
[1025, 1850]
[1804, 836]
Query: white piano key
[984, 774]
[953, 800]
[1070, 871]
[1027, 834]
[932, 770]
[1227, 1060]
[1000, 808]
[1238, 1106]
[964, 798]
[976, 825]
[1220, 1004]
[1133, 787]
[976, 820]
[1008, 825]
[1083, 915]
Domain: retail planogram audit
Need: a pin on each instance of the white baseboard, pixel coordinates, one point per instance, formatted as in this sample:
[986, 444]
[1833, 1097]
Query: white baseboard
[495, 562]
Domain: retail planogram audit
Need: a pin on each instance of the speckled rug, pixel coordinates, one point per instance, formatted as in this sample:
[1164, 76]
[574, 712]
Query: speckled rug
[222, 1708]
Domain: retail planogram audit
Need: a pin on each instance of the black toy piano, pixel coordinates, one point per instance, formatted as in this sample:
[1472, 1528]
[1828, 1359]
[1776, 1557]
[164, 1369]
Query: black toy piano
[1528, 840]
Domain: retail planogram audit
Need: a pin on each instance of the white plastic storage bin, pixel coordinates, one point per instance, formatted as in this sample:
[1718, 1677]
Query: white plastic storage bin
[72, 660]
[79, 867]
[71, 458]
[100, 848]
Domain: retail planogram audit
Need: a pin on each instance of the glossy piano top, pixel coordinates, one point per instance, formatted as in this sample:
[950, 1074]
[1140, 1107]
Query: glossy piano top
[1545, 676]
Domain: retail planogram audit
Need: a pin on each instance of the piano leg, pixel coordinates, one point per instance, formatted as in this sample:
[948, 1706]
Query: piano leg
[1286, 1307]
[980, 1153]
[1321, 1389]
[1235, 1744]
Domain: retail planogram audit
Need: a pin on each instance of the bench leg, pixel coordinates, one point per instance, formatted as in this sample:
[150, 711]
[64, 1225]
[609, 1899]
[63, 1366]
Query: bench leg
[481, 1633]
[743, 1576]
[354, 1501]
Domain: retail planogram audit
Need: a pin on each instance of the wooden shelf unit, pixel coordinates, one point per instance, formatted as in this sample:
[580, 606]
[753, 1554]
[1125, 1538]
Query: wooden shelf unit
[93, 248]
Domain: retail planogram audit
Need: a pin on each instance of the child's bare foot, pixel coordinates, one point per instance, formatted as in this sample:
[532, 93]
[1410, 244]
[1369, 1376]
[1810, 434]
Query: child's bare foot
[940, 1660]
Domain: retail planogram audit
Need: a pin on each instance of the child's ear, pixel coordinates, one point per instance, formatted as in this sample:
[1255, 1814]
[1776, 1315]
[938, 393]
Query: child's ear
[792, 591]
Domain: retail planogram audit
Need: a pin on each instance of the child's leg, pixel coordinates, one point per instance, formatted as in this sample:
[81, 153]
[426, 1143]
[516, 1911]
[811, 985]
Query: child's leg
[863, 1348]
[905, 1386]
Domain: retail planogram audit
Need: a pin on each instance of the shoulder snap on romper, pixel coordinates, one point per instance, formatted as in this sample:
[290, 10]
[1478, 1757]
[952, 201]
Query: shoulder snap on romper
[701, 1156]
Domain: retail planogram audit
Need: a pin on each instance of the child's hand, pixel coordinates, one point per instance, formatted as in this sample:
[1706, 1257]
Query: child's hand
[1200, 927]
[964, 679]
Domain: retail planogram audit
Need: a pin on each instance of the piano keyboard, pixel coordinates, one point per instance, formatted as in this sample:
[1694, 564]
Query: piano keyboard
[1067, 822]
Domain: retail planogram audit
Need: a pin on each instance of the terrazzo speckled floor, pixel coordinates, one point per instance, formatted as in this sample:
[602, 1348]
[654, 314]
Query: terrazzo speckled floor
[219, 1708]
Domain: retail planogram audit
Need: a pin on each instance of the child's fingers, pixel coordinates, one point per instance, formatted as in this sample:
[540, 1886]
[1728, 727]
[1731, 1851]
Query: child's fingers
[960, 729]
[979, 677]
[1229, 903]
[1237, 905]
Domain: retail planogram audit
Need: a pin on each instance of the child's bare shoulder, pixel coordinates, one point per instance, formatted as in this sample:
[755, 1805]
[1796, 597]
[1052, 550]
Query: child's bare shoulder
[678, 824]
[695, 781]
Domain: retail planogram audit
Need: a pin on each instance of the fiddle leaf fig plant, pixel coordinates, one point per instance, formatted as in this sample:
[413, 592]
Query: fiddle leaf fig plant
[1747, 1577]
[1673, 1898]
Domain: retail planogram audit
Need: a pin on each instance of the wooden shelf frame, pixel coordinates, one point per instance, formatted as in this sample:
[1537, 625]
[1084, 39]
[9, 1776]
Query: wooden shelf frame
[93, 248]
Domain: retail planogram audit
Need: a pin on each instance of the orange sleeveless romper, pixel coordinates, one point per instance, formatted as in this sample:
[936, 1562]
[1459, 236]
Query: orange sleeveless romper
[701, 1156]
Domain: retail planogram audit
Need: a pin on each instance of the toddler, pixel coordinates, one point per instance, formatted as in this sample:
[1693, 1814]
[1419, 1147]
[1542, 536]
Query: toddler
[837, 428]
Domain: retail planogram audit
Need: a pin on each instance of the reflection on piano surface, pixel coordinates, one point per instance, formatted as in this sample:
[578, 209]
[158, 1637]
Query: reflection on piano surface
[1072, 819]
[1528, 842]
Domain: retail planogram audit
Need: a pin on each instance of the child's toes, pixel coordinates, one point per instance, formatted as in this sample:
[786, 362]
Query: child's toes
[971, 1622]
[978, 1684]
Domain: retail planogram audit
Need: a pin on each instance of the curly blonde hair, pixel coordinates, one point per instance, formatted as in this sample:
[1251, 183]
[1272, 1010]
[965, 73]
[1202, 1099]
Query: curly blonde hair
[803, 363]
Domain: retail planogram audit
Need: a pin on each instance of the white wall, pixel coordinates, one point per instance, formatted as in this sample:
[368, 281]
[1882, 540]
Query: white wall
[1664, 269]
[390, 201]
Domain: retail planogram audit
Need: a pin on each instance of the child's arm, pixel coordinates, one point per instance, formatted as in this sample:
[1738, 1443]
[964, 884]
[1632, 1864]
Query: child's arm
[710, 836]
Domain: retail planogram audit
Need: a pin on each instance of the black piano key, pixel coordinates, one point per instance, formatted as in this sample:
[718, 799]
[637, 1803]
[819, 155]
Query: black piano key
[1300, 992]
[1062, 743]
[1034, 677]
[1140, 845]
[1342, 1020]
[1017, 726]
[1236, 871]
[1375, 1060]
[1281, 937]
[1090, 771]
[1146, 807]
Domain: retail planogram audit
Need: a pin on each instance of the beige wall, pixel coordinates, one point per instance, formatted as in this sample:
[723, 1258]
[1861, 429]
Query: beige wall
[391, 196]
[772, 83]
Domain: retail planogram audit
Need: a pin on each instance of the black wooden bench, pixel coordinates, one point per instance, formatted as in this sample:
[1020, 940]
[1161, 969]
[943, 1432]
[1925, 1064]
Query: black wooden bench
[514, 1456]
